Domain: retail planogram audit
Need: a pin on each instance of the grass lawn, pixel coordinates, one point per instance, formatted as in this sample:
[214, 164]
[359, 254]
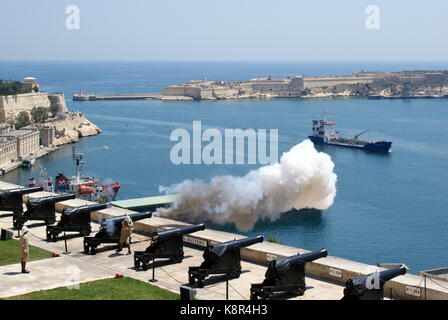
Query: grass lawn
[106, 289]
[10, 252]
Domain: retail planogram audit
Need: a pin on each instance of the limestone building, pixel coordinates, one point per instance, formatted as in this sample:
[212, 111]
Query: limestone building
[26, 141]
[8, 151]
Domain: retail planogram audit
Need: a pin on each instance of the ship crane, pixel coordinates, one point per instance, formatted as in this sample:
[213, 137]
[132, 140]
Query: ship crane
[358, 134]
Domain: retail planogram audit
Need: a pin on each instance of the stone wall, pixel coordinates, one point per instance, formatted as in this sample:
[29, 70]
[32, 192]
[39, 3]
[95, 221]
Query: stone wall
[11, 106]
[73, 127]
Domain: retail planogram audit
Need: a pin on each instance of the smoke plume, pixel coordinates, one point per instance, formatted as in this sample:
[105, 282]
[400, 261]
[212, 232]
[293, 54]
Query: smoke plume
[303, 178]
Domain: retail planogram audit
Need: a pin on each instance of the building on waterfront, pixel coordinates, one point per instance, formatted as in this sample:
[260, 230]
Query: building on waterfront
[8, 151]
[27, 141]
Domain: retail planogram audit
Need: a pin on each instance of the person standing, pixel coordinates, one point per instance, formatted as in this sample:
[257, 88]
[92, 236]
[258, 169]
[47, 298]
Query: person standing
[24, 249]
[127, 227]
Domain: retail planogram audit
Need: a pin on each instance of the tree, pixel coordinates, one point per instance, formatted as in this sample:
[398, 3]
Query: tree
[23, 119]
[39, 114]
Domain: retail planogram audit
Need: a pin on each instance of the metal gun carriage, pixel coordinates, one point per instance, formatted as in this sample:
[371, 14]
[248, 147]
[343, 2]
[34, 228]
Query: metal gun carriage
[43, 209]
[285, 275]
[221, 258]
[110, 231]
[11, 200]
[76, 219]
[165, 244]
[370, 286]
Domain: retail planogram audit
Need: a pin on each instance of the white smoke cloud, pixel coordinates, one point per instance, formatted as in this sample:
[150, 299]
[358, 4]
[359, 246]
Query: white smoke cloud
[303, 178]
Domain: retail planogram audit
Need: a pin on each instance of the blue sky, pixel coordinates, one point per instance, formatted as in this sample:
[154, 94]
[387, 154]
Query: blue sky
[255, 30]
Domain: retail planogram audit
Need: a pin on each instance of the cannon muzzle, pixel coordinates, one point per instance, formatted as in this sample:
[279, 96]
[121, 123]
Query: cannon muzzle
[391, 273]
[86, 209]
[180, 231]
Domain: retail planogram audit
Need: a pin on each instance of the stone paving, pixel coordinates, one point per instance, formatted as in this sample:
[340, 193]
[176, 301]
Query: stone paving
[60, 271]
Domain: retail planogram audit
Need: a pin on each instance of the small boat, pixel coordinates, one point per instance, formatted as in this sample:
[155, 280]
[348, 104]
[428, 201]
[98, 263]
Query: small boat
[28, 162]
[105, 148]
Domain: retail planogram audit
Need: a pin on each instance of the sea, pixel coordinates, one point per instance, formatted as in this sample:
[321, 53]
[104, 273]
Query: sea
[389, 208]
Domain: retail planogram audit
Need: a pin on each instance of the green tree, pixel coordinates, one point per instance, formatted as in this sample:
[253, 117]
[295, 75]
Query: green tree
[39, 114]
[23, 119]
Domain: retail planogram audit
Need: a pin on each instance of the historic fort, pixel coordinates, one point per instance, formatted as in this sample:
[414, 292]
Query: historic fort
[375, 85]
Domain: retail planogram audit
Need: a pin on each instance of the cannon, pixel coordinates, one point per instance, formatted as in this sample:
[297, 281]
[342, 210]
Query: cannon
[11, 200]
[110, 230]
[43, 208]
[165, 244]
[366, 287]
[76, 219]
[285, 275]
[221, 258]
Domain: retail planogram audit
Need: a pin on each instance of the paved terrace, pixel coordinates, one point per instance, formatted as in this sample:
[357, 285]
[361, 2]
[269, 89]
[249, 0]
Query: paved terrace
[324, 276]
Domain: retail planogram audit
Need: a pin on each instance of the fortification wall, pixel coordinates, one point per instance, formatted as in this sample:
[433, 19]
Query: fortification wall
[334, 81]
[11, 106]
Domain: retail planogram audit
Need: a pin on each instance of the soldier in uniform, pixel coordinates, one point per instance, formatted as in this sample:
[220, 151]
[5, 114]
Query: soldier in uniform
[24, 250]
[126, 231]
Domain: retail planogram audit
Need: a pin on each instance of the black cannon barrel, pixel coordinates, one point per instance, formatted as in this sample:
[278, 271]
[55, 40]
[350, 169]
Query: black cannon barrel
[282, 265]
[134, 217]
[392, 273]
[51, 199]
[85, 208]
[179, 231]
[26, 190]
[241, 242]
[219, 249]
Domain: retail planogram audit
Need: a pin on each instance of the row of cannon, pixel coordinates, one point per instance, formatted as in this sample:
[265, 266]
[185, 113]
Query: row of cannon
[282, 275]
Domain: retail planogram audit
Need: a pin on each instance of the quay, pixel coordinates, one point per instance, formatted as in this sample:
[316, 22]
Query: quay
[144, 96]
[325, 277]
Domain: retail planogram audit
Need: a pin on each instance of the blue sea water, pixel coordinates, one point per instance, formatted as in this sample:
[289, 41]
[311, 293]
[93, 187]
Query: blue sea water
[389, 207]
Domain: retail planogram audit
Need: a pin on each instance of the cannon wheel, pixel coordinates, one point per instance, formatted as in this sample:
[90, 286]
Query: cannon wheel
[85, 232]
[300, 291]
[48, 235]
[191, 279]
[54, 237]
[200, 283]
[178, 259]
[144, 266]
[137, 264]
[86, 248]
[92, 250]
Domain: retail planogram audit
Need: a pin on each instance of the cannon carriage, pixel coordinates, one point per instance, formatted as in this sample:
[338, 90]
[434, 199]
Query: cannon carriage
[221, 258]
[110, 231]
[43, 209]
[165, 244]
[76, 219]
[285, 275]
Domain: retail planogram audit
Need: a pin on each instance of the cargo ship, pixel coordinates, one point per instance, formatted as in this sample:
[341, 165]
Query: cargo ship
[326, 133]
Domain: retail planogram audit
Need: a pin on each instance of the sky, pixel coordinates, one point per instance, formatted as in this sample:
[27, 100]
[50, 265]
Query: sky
[230, 30]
